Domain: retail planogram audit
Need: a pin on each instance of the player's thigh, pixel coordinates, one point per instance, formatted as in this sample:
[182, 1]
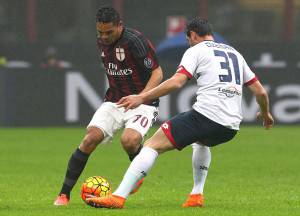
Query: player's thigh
[141, 119]
[108, 119]
[92, 138]
[159, 142]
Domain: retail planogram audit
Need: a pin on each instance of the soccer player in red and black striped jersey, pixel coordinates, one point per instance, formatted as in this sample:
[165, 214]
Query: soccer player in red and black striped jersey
[131, 67]
[129, 61]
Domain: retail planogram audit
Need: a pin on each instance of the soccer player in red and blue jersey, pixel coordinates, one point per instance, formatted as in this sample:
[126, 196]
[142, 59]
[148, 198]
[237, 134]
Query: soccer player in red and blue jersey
[131, 67]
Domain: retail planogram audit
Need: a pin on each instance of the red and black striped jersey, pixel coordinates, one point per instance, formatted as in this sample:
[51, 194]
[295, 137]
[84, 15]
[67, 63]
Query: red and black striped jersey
[128, 64]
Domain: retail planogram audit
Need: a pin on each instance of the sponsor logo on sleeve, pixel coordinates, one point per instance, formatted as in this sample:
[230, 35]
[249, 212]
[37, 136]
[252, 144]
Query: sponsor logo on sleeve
[148, 62]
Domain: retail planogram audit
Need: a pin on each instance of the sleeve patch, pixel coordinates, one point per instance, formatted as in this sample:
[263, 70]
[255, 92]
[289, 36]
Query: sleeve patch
[148, 62]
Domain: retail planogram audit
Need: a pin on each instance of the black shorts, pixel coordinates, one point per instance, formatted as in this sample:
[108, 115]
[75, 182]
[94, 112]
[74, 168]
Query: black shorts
[189, 127]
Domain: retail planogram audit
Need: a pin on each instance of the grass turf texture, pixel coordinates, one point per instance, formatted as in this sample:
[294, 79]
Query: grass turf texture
[257, 173]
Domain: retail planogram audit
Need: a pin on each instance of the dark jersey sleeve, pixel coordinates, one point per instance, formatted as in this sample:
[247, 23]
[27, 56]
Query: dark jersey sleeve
[144, 53]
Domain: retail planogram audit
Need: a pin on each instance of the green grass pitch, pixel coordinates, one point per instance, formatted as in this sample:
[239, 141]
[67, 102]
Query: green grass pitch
[258, 173]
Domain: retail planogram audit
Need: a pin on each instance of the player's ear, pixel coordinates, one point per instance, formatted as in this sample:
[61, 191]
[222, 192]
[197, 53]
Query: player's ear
[120, 25]
[193, 35]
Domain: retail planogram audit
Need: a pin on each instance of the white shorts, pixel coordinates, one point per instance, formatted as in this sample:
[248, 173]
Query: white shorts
[109, 118]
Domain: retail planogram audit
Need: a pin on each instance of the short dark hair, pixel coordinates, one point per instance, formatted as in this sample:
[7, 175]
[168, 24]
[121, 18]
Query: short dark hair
[107, 15]
[199, 25]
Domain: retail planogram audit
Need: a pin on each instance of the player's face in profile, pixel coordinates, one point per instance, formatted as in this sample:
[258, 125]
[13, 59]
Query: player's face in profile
[108, 32]
[192, 39]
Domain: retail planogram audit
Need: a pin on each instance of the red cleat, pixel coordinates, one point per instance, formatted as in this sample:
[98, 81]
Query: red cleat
[137, 186]
[194, 200]
[110, 201]
[61, 200]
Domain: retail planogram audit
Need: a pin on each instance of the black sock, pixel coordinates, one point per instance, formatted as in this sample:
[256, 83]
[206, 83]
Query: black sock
[133, 155]
[75, 167]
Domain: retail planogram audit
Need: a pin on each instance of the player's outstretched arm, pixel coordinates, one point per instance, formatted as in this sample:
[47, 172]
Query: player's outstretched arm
[263, 101]
[168, 86]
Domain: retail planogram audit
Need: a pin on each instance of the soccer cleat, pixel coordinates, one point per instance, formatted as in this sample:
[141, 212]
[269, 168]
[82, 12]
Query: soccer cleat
[61, 200]
[137, 186]
[110, 201]
[194, 200]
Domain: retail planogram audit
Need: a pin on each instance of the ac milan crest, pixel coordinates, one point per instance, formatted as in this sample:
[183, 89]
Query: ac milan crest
[120, 54]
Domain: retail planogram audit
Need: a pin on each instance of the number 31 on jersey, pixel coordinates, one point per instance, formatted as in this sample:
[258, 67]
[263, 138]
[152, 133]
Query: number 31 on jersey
[226, 66]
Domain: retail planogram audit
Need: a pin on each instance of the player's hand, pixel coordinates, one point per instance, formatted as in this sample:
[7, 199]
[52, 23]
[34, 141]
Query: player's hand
[267, 119]
[130, 102]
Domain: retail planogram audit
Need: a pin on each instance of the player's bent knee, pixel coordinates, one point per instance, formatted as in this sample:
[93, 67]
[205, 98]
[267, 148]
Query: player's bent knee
[159, 142]
[91, 140]
[88, 145]
[160, 147]
[154, 146]
[131, 143]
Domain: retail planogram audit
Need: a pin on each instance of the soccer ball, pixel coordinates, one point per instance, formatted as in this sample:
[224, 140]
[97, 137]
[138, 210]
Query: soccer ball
[95, 186]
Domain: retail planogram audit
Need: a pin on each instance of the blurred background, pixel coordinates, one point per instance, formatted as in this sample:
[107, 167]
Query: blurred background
[51, 73]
